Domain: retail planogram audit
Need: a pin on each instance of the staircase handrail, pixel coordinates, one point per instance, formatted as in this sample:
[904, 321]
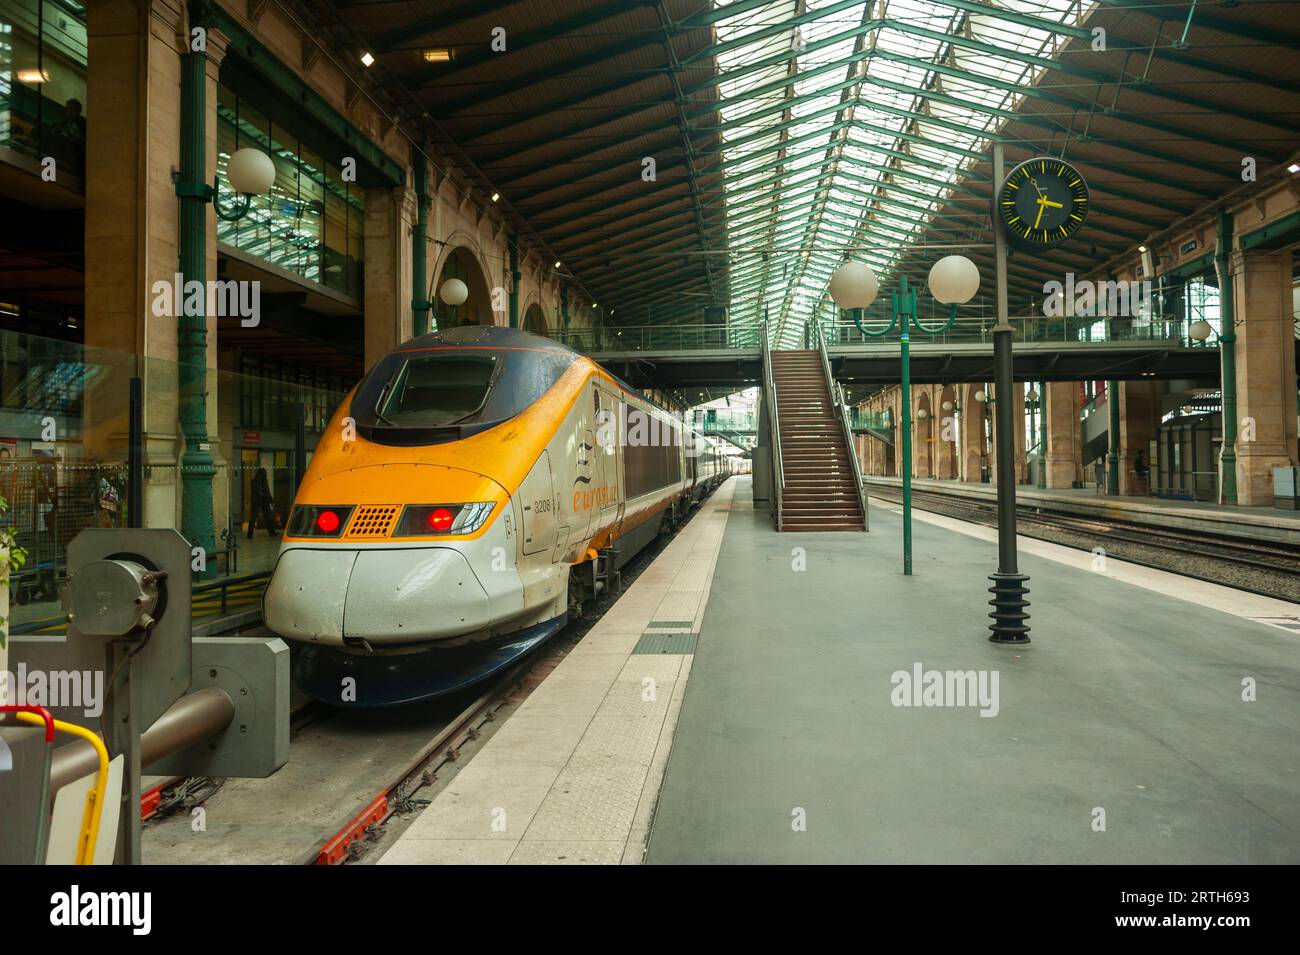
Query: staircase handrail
[841, 407]
[773, 424]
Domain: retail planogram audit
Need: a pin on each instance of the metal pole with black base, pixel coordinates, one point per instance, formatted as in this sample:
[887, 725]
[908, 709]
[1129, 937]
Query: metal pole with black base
[1008, 588]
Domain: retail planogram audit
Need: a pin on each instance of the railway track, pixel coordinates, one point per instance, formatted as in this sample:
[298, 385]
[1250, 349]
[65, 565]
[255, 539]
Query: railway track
[1263, 567]
[353, 776]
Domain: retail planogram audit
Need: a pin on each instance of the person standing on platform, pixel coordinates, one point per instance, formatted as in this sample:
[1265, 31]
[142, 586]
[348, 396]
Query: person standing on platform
[1141, 469]
[262, 505]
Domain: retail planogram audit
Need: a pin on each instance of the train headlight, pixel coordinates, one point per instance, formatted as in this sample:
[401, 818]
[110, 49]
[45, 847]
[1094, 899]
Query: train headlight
[318, 520]
[425, 520]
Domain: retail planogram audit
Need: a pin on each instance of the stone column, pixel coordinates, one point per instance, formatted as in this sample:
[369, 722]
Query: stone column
[1139, 419]
[132, 223]
[1064, 434]
[972, 434]
[1266, 372]
[389, 225]
[1018, 421]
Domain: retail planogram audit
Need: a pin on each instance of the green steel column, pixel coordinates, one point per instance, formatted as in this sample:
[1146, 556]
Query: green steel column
[902, 313]
[197, 468]
[1227, 359]
[420, 249]
[1042, 434]
[514, 281]
[1112, 404]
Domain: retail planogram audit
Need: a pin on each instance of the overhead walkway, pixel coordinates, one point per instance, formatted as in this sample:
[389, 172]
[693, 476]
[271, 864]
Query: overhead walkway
[715, 356]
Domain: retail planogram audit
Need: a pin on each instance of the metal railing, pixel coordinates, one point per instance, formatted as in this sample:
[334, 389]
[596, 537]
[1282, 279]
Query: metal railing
[841, 409]
[1074, 330]
[702, 337]
[969, 329]
[723, 419]
[773, 424]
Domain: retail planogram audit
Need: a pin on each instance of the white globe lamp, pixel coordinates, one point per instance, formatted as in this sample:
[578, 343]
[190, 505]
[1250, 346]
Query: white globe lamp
[251, 172]
[854, 285]
[954, 280]
[454, 292]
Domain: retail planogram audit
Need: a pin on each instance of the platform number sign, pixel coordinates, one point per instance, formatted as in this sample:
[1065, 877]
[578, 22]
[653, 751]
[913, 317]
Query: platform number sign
[1041, 203]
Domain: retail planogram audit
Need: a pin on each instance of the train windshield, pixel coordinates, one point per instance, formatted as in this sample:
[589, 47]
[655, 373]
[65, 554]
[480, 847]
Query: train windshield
[445, 394]
[430, 391]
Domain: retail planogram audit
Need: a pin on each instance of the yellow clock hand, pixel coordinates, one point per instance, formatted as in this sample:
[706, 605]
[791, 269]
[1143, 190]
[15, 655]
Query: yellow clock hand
[1042, 204]
[1049, 202]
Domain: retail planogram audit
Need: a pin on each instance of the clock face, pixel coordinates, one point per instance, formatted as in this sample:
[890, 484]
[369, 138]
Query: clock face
[1042, 203]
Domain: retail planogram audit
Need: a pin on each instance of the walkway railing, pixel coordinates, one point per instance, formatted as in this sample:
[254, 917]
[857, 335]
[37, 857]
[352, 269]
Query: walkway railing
[659, 338]
[773, 424]
[1072, 330]
[724, 419]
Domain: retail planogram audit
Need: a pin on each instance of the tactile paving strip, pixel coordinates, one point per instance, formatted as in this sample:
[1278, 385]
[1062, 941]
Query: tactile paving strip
[667, 643]
[374, 521]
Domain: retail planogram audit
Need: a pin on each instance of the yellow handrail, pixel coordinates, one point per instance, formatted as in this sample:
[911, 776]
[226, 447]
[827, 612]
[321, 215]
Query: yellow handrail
[94, 799]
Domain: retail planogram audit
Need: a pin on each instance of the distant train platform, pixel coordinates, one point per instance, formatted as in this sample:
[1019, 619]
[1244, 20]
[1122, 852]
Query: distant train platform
[1270, 523]
[841, 712]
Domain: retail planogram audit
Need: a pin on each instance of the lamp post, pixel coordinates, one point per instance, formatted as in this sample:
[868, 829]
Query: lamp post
[953, 281]
[454, 292]
[251, 172]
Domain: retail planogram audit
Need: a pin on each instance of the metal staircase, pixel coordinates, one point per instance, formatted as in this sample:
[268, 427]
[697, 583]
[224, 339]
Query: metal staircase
[821, 487]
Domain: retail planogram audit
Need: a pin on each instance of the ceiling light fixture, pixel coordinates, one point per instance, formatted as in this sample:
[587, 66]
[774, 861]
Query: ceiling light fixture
[441, 55]
[367, 58]
[496, 196]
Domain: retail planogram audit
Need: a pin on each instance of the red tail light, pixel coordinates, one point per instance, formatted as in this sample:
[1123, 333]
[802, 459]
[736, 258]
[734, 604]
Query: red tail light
[422, 520]
[440, 519]
[318, 520]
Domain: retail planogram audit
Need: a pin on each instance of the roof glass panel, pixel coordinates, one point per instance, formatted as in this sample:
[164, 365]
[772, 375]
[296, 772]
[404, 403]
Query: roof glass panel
[833, 143]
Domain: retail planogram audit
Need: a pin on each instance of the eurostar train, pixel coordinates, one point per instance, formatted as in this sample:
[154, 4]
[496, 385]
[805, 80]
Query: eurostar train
[478, 486]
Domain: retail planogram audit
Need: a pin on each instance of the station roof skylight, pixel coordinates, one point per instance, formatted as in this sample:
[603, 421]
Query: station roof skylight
[846, 123]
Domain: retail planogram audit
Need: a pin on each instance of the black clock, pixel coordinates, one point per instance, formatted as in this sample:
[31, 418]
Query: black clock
[1041, 203]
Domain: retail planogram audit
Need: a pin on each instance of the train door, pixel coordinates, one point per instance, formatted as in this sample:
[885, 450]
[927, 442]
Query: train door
[537, 507]
[584, 474]
[610, 471]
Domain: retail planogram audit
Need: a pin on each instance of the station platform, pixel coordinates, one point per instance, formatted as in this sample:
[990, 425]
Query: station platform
[573, 775]
[1266, 523]
[786, 745]
[790, 747]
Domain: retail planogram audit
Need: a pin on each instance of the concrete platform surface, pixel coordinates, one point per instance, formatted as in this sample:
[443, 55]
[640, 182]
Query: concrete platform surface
[1136, 728]
[573, 775]
[1264, 523]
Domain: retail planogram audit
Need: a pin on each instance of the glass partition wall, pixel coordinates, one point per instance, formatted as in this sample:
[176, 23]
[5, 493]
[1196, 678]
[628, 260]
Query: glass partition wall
[64, 418]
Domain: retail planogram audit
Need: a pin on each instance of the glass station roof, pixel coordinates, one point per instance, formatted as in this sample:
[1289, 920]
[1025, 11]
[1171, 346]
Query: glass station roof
[844, 125]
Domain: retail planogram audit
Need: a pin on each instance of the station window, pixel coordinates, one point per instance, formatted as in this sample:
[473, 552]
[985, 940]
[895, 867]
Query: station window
[311, 223]
[43, 81]
[269, 395]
